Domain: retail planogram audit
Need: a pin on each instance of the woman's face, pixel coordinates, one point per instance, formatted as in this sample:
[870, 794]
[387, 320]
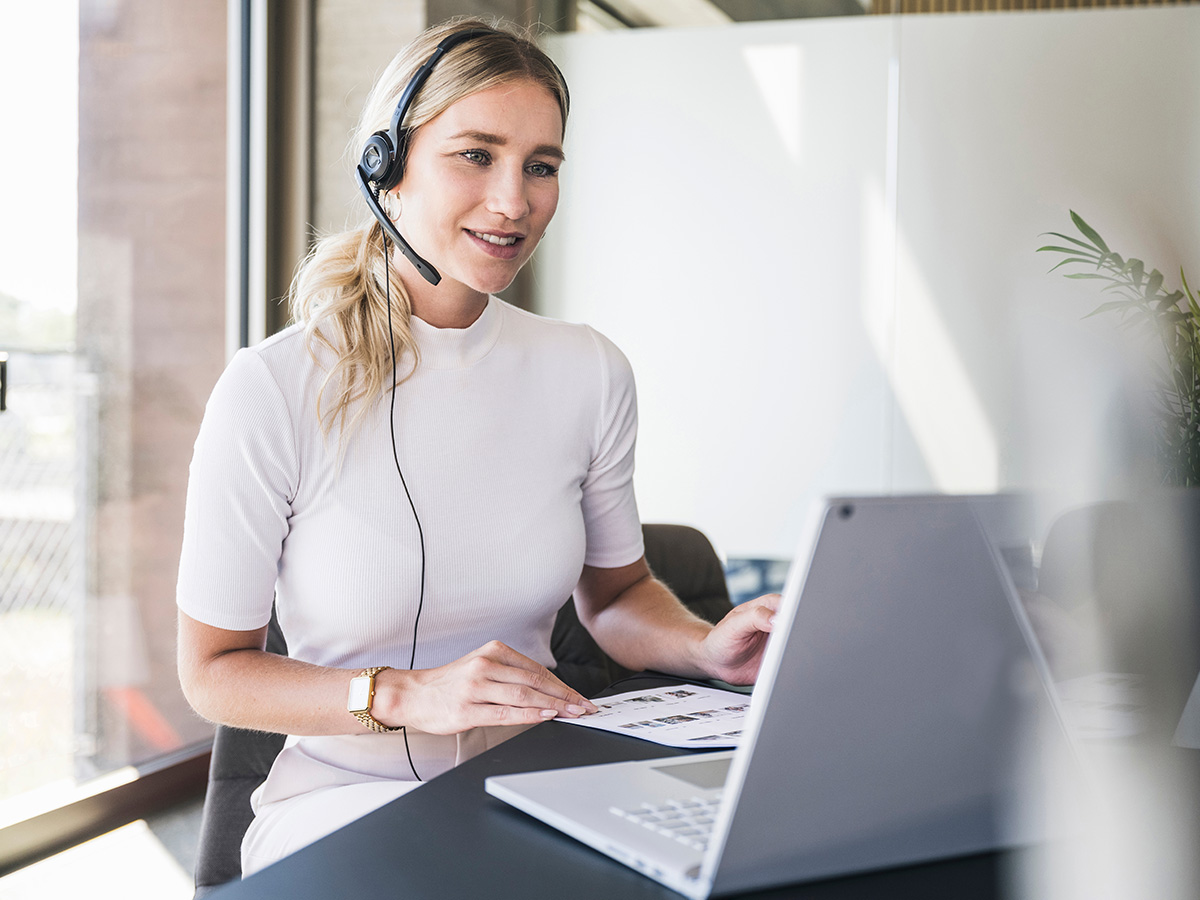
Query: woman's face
[481, 184]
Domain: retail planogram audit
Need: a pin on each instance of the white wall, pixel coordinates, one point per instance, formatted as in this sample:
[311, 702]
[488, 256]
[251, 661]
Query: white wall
[1006, 123]
[815, 241]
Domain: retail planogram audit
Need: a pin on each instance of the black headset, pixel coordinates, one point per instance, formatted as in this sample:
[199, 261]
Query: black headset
[379, 169]
[381, 165]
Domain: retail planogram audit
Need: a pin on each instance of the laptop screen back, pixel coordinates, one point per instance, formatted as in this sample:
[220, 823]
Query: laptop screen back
[903, 721]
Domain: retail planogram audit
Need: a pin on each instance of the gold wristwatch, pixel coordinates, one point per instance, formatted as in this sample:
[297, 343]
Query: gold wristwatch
[362, 694]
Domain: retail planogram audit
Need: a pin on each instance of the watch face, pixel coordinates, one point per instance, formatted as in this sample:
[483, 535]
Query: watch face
[360, 694]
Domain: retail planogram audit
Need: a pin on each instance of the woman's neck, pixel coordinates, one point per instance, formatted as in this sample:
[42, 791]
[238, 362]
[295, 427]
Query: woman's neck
[448, 304]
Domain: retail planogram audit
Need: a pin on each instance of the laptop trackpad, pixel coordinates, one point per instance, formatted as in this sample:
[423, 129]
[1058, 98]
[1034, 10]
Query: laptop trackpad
[705, 774]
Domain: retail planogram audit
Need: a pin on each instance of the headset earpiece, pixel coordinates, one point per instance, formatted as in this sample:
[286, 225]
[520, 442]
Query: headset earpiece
[378, 160]
[381, 163]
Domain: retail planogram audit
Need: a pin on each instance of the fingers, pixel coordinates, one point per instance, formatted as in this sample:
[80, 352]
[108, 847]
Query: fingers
[528, 683]
[758, 615]
[768, 603]
[754, 615]
[494, 685]
[735, 646]
[764, 609]
[771, 601]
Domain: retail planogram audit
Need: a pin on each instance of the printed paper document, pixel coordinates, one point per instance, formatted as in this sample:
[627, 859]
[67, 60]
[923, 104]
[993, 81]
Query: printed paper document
[683, 716]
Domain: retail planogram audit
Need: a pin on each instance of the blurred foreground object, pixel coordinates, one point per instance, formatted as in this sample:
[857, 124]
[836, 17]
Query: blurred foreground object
[1118, 580]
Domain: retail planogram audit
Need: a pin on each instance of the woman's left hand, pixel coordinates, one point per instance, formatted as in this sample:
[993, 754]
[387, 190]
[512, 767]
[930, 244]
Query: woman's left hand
[733, 650]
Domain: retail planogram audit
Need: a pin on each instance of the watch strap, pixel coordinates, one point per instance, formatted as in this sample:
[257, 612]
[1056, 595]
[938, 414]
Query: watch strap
[364, 716]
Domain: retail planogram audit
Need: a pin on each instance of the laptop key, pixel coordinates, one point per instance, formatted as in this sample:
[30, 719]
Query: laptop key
[687, 820]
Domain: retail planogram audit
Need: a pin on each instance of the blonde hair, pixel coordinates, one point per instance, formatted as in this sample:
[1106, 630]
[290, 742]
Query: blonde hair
[339, 293]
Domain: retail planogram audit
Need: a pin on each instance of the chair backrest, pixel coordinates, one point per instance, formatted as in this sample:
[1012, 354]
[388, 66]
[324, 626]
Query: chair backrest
[678, 555]
[240, 762]
[682, 558]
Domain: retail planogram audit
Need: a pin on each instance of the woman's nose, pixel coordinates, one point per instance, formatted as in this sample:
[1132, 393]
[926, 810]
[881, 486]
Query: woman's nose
[508, 194]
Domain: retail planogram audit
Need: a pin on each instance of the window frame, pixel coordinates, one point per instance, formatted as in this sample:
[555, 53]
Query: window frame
[269, 99]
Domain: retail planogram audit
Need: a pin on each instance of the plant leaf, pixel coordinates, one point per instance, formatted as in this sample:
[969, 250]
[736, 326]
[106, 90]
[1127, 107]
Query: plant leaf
[1155, 282]
[1088, 231]
[1075, 259]
[1107, 307]
[1067, 237]
[1195, 307]
[1121, 286]
[1096, 257]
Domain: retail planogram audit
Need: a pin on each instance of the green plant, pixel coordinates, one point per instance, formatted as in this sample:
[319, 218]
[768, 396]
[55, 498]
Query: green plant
[1141, 302]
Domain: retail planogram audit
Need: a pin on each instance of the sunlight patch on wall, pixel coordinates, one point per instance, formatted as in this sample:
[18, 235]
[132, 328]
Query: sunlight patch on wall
[777, 72]
[878, 297]
[933, 389]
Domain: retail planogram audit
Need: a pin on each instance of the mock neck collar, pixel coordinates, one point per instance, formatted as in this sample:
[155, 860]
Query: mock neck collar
[456, 348]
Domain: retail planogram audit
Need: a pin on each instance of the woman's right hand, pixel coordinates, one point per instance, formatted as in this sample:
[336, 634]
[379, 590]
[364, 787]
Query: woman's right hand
[494, 685]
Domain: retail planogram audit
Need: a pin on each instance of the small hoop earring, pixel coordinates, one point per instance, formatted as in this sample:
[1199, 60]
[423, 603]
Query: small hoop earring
[393, 207]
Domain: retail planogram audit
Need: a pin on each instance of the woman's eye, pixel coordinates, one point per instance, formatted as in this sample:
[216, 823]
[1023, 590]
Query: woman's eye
[543, 170]
[480, 157]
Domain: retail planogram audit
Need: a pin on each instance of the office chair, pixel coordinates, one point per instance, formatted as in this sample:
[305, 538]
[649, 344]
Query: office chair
[240, 762]
[678, 555]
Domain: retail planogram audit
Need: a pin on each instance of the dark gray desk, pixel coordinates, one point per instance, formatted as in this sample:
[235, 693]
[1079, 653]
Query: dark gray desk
[451, 840]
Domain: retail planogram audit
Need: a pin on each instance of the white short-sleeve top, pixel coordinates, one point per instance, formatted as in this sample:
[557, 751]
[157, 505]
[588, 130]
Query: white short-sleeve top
[516, 439]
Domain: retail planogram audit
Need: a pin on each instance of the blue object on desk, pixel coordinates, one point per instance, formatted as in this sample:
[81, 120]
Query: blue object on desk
[749, 577]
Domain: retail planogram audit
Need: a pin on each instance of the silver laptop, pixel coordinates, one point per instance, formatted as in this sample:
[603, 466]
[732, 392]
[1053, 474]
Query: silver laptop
[902, 713]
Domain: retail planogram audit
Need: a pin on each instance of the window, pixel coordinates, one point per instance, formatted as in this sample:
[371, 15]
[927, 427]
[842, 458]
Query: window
[112, 315]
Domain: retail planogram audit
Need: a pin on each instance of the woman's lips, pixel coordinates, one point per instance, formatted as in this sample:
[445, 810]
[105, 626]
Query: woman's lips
[500, 246]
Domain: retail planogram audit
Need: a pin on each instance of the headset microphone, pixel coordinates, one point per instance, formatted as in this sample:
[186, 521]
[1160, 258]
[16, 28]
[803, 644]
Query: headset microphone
[428, 272]
[381, 164]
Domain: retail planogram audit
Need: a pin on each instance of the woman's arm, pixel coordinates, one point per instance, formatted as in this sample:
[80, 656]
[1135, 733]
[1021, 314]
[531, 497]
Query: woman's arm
[228, 677]
[638, 622]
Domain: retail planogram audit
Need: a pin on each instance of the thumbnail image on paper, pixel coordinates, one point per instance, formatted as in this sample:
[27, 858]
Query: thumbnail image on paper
[683, 716]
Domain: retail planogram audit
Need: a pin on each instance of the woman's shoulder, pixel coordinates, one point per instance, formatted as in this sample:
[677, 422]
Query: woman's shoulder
[276, 374]
[286, 349]
[288, 357]
[575, 339]
[523, 318]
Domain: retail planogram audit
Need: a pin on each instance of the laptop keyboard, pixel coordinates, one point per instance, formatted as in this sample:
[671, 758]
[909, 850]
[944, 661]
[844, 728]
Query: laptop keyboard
[687, 821]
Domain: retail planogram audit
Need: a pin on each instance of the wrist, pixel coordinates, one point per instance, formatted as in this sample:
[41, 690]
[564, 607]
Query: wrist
[391, 697]
[370, 700]
[697, 662]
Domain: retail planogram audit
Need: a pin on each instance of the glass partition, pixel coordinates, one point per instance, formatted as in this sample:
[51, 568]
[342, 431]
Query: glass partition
[607, 15]
[829, 249]
[112, 316]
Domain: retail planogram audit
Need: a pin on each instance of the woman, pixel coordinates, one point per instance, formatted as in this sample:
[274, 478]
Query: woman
[419, 475]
